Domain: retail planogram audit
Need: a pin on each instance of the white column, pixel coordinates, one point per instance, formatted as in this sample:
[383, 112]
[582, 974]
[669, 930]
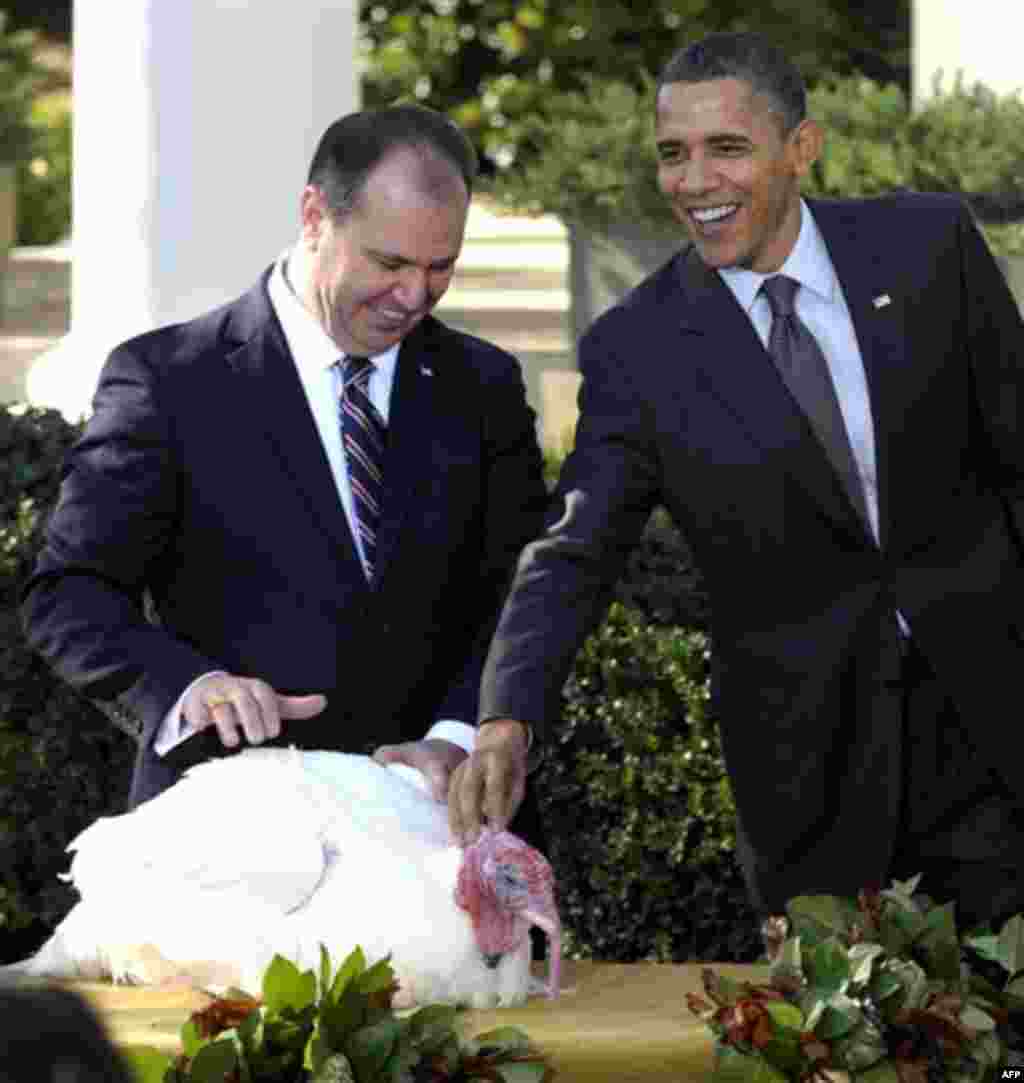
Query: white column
[980, 38]
[194, 124]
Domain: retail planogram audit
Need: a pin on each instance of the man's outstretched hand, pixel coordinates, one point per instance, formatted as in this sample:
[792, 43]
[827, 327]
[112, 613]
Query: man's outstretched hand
[244, 708]
[436, 758]
[491, 782]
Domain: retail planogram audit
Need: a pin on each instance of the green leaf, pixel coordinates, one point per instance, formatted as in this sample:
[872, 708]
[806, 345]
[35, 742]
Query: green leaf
[973, 1016]
[351, 968]
[147, 1065]
[371, 1046]
[986, 946]
[335, 1069]
[836, 1023]
[339, 1019]
[827, 967]
[377, 978]
[1011, 944]
[191, 1042]
[817, 917]
[325, 972]
[213, 1062]
[285, 987]
[862, 960]
[501, 1040]
[250, 1030]
[782, 1015]
[940, 944]
[721, 988]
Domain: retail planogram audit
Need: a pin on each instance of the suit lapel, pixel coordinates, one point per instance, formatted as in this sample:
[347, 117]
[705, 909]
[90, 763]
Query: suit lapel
[271, 397]
[878, 311]
[412, 426]
[734, 366]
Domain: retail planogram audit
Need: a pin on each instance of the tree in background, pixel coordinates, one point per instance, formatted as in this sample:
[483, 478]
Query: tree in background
[492, 63]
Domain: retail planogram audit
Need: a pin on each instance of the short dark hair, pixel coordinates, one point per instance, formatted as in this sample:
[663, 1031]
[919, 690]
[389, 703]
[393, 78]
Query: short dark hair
[355, 145]
[751, 59]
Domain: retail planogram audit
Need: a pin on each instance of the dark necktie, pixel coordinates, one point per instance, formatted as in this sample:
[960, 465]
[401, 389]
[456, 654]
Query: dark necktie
[803, 367]
[364, 436]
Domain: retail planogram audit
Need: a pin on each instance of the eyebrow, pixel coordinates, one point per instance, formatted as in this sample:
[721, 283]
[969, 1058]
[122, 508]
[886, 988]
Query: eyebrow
[397, 257]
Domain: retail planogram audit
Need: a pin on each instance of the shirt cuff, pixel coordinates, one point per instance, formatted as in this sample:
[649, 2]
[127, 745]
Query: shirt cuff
[458, 733]
[174, 729]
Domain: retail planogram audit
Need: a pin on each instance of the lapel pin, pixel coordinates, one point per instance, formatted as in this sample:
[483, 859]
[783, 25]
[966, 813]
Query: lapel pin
[882, 300]
[425, 370]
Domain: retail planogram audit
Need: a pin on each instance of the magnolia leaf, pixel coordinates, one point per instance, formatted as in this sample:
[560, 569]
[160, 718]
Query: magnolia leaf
[351, 968]
[939, 943]
[987, 946]
[975, 1017]
[191, 1042]
[1011, 944]
[884, 984]
[721, 989]
[148, 1065]
[1014, 991]
[317, 1050]
[913, 980]
[325, 972]
[369, 1047]
[433, 1015]
[815, 917]
[377, 978]
[213, 1062]
[836, 1022]
[786, 971]
[338, 1019]
[501, 1040]
[861, 1048]
[902, 891]
[862, 959]
[335, 1069]
[827, 967]
[782, 1014]
[989, 1050]
[286, 987]
[814, 1008]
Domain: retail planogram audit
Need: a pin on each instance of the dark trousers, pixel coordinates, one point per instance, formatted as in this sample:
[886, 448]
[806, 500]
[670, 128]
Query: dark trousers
[960, 827]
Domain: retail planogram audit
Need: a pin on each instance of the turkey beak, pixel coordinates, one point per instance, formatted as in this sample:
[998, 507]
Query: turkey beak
[545, 917]
[491, 961]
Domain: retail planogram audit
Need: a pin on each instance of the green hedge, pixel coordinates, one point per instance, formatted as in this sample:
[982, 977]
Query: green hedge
[61, 762]
[43, 204]
[638, 811]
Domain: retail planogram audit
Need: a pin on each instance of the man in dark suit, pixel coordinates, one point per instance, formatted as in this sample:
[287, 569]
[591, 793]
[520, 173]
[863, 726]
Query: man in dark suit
[849, 474]
[308, 582]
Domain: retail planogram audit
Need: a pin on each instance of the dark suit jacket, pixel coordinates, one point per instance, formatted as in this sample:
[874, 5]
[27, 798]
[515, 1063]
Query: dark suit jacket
[681, 404]
[201, 478]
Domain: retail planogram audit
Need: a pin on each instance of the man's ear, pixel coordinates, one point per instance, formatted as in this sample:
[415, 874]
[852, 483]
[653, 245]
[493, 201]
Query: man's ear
[312, 214]
[806, 141]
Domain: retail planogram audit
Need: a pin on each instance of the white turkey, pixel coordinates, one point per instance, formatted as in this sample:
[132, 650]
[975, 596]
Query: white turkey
[277, 851]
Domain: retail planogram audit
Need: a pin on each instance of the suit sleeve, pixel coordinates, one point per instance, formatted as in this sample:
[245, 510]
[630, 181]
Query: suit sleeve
[995, 341]
[514, 496]
[114, 522]
[607, 489]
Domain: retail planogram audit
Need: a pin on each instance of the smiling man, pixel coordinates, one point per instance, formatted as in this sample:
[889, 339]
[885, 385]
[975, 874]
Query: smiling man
[828, 398]
[321, 489]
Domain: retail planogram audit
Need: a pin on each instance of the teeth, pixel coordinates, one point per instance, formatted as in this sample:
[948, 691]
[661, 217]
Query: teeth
[713, 214]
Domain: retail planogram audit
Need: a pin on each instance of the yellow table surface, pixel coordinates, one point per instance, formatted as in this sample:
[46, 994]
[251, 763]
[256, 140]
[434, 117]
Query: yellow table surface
[626, 1022]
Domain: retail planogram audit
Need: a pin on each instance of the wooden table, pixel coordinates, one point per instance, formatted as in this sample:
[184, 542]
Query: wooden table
[621, 1022]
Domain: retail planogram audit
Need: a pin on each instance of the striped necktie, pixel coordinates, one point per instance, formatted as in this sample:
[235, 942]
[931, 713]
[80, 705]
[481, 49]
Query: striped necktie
[364, 436]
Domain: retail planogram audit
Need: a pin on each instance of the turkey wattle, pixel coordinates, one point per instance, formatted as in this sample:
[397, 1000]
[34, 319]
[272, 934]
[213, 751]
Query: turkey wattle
[277, 851]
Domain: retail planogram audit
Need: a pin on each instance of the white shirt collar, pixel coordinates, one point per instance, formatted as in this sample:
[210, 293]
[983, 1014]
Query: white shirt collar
[808, 263]
[311, 347]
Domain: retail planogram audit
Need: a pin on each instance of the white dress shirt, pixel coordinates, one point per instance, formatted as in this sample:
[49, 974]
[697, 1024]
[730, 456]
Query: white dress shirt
[316, 358]
[822, 307]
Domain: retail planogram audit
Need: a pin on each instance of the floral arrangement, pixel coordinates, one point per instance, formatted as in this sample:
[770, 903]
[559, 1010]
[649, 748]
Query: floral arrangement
[309, 1028]
[880, 988]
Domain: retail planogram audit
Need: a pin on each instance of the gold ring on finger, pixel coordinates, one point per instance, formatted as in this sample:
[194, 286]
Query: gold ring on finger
[216, 701]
